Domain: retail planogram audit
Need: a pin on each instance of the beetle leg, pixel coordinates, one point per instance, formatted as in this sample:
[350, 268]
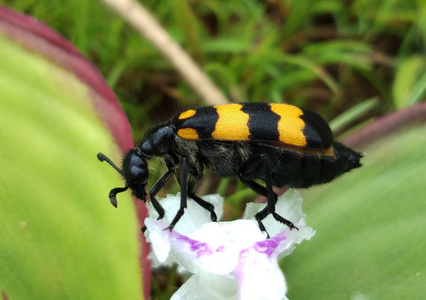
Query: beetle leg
[156, 188]
[207, 205]
[183, 193]
[272, 197]
[204, 204]
[159, 185]
[269, 194]
[261, 190]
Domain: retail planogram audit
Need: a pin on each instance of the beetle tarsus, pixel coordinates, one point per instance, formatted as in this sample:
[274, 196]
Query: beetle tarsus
[284, 221]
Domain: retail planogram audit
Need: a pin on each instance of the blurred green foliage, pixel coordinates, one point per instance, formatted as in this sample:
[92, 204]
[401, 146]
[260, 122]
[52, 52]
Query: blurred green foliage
[328, 55]
[351, 61]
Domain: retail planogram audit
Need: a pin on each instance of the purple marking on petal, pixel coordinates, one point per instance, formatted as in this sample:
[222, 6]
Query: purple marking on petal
[266, 246]
[239, 269]
[242, 258]
[200, 248]
[221, 248]
[281, 235]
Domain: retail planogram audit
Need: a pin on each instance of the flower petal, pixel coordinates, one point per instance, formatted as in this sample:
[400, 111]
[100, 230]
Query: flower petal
[259, 276]
[289, 206]
[194, 215]
[229, 259]
[195, 289]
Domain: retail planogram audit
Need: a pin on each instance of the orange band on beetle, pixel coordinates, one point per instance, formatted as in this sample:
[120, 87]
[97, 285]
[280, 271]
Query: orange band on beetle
[188, 133]
[290, 125]
[187, 114]
[232, 123]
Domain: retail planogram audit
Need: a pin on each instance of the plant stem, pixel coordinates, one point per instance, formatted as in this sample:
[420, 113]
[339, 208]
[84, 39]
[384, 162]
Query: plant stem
[144, 23]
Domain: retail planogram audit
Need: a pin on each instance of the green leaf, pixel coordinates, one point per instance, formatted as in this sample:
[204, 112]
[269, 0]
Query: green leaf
[410, 82]
[370, 224]
[353, 114]
[349, 52]
[60, 237]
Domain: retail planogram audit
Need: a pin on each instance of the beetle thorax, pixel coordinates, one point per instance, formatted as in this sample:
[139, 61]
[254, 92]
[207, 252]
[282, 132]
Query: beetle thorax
[157, 141]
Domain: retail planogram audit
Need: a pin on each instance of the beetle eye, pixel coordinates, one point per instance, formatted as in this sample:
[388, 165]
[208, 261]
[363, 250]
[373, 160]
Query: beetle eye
[135, 168]
[139, 175]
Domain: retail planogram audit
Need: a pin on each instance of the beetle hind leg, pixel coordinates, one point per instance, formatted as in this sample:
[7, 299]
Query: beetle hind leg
[284, 221]
[270, 207]
[272, 197]
[269, 194]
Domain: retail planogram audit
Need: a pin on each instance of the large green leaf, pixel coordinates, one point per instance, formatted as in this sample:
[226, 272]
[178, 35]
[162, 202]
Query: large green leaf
[59, 236]
[371, 238]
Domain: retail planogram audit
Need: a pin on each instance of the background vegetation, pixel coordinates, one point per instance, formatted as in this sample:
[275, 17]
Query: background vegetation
[328, 55]
[351, 61]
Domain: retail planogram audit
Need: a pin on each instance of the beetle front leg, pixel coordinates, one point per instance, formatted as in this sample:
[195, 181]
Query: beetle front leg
[183, 193]
[159, 185]
[156, 188]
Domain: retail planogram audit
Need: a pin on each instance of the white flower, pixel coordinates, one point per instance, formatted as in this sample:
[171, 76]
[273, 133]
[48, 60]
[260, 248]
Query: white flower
[229, 260]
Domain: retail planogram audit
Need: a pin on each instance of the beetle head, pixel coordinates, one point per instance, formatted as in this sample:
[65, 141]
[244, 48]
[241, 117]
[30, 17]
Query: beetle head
[135, 173]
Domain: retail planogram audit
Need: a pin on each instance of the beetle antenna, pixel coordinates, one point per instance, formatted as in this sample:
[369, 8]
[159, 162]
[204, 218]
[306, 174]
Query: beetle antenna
[103, 157]
[114, 192]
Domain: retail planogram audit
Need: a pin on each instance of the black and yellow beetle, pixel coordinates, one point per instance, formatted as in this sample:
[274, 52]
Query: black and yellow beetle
[283, 145]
